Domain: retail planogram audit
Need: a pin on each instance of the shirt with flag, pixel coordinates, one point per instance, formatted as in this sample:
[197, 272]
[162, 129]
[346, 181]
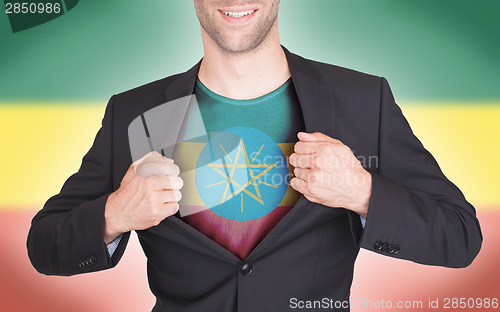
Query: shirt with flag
[236, 179]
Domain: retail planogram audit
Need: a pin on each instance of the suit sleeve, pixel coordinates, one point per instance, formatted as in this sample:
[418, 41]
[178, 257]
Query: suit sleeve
[415, 212]
[67, 236]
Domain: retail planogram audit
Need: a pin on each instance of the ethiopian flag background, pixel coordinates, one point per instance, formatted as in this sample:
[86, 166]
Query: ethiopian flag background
[441, 57]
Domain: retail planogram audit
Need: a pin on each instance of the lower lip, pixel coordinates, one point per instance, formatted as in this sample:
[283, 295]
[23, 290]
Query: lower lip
[237, 20]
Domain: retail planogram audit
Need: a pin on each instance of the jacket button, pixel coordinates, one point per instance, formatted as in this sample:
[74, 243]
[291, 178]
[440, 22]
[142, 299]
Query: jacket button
[378, 245]
[83, 263]
[385, 245]
[93, 260]
[390, 249]
[395, 249]
[246, 269]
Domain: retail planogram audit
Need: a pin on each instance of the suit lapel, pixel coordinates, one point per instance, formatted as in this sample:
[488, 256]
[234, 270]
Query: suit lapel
[317, 104]
[316, 98]
[183, 84]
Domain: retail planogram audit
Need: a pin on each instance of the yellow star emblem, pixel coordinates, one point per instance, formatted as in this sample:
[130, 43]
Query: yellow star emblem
[250, 166]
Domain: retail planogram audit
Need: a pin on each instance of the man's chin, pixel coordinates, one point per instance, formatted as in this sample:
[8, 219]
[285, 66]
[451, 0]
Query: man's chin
[239, 46]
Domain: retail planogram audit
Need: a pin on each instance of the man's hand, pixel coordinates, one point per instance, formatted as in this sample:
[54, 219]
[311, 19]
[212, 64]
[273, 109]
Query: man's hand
[148, 193]
[327, 172]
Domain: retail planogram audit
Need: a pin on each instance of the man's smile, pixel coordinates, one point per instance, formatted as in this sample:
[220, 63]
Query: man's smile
[237, 16]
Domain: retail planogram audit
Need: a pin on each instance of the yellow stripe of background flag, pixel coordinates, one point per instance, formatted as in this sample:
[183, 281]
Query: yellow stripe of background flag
[42, 145]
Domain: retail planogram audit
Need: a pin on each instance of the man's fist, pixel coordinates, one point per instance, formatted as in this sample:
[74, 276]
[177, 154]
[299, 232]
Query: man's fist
[327, 172]
[148, 193]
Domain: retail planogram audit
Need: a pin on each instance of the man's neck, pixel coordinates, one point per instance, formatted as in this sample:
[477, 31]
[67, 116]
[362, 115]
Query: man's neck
[246, 75]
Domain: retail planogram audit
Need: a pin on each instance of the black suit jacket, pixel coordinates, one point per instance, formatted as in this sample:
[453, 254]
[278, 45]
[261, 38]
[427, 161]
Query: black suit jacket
[415, 212]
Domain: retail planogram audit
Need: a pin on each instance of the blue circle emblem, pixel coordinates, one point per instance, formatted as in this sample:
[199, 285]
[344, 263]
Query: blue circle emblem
[241, 174]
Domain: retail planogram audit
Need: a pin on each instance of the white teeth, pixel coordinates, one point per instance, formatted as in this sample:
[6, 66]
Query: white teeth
[239, 14]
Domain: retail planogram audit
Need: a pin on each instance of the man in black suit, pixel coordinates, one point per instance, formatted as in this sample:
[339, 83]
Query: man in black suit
[304, 253]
